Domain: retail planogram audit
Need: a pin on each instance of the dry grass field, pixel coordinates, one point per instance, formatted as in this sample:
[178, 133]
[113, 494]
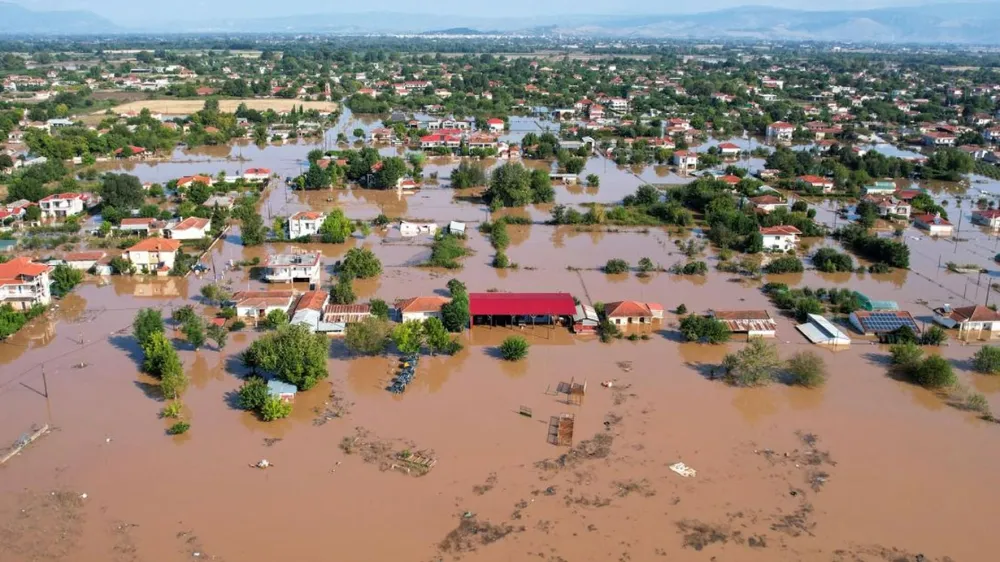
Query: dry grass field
[229, 106]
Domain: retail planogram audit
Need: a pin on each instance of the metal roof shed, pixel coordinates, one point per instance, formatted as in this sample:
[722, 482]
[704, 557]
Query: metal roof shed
[521, 304]
[819, 330]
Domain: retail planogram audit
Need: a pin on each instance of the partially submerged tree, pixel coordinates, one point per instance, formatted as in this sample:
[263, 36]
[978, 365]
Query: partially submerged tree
[408, 337]
[514, 348]
[987, 360]
[292, 354]
[806, 368]
[368, 337]
[755, 365]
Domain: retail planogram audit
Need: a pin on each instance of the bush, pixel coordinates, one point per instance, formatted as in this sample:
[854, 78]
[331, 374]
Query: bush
[681, 309]
[933, 372]
[252, 394]
[514, 348]
[987, 360]
[805, 368]
[274, 408]
[343, 291]
[831, 261]
[179, 428]
[446, 251]
[275, 318]
[754, 365]
[785, 264]
[172, 410]
[704, 328]
[933, 336]
[615, 266]
[905, 356]
[237, 326]
[500, 260]
[368, 337]
[379, 308]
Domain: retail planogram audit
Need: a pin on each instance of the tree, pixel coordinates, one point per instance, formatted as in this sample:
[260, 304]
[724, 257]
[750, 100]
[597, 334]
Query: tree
[379, 309]
[785, 264]
[215, 293]
[987, 360]
[905, 356]
[754, 365]
[514, 348]
[252, 394]
[408, 337]
[159, 355]
[183, 314]
[194, 331]
[593, 180]
[274, 408]
[218, 334]
[615, 266]
[393, 169]
[934, 372]
[64, 278]
[541, 187]
[368, 337]
[335, 228]
[34, 214]
[198, 193]
[10, 321]
[122, 191]
[6, 161]
[275, 319]
[830, 260]
[702, 328]
[510, 186]
[437, 336]
[253, 231]
[343, 291]
[645, 265]
[468, 174]
[455, 314]
[806, 368]
[147, 322]
[361, 263]
[293, 354]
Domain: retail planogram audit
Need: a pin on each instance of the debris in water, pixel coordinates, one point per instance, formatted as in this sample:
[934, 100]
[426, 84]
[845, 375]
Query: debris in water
[262, 463]
[683, 470]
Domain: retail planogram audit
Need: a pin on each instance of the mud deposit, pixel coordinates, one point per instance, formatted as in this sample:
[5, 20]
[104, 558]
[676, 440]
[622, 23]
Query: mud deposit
[865, 468]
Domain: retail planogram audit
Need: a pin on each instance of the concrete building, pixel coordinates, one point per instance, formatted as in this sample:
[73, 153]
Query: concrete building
[753, 323]
[780, 131]
[420, 308]
[305, 223]
[153, 255]
[286, 268]
[62, 205]
[623, 313]
[989, 218]
[934, 224]
[780, 238]
[84, 260]
[257, 305]
[24, 283]
[191, 228]
[971, 321]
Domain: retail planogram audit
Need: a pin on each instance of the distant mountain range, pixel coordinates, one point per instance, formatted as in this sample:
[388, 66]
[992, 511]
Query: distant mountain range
[934, 23]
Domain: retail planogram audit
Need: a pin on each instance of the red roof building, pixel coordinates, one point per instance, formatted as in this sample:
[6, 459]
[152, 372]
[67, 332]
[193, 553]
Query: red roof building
[521, 304]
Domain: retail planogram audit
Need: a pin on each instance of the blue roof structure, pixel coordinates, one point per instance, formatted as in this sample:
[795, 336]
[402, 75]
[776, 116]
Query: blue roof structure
[277, 388]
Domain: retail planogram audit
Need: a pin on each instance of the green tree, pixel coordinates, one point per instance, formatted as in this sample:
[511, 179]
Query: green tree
[274, 408]
[455, 314]
[64, 279]
[379, 308]
[593, 180]
[510, 186]
[368, 337]
[335, 228]
[437, 336]
[468, 174]
[147, 322]
[615, 266]
[275, 319]
[218, 334]
[253, 232]
[343, 291]
[987, 360]
[122, 191]
[514, 348]
[541, 187]
[393, 169]
[703, 328]
[408, 337]
[293, 354]
[183, 314]
[215, 293]
[252, 394]
[361, 263]
[194, 331]
[806, 368]
[754, 365]
[933, 372]
[10, 321]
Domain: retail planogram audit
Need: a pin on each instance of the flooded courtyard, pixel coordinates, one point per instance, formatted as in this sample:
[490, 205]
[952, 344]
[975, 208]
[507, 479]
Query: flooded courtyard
[864, 468]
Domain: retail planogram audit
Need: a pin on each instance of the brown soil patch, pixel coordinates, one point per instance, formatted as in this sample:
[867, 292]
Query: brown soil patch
[388, 454]
[227, 106]
[472, 533]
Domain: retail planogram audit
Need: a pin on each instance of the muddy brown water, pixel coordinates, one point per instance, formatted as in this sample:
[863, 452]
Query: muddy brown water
[910, 471]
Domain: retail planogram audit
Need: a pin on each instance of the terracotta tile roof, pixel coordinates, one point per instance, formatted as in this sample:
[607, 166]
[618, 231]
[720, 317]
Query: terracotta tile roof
[627, 309]
[265, 299]
[784, 229]
[84, 256]
[156, 245]
[137, 221]
[15, 268]
[978, 313]
[312, 300]
[422, 304]
[766, 200]
[192, 222]
[306, 215]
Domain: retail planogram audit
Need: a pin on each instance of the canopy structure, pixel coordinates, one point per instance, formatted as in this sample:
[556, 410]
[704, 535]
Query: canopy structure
[521, 304]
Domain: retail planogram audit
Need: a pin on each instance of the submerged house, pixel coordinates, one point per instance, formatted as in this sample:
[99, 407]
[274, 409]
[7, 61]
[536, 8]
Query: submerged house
[753, 323]
[623, 313]
[882, 322]
[258, 304]
[982, 321]
[821, 331]
[585, 321]
[286, 268]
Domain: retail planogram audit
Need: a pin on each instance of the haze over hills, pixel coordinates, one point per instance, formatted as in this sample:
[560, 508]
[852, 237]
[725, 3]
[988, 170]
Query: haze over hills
[945, 23]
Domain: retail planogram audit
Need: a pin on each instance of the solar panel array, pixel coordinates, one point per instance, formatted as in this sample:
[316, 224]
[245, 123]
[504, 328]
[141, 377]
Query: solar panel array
[888, 322]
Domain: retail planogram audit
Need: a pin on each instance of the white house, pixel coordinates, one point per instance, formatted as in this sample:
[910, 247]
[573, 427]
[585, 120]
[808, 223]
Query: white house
[728, 149]
[938, 139]
[933, 224]
[420, 308]
[191, 228]
[781, 238]
[409, 229]
[139, 225]
[753, 323]
[62, 205]
[83, 260]
[305, 223]
[623, 313]
[24, 283]
[495, 125]
[258, 304]
[256, 174]
[685, 160]
[978, 320]
[153, 255]
[990, 218]
[780, 131]
[767, 203]
[286, 268]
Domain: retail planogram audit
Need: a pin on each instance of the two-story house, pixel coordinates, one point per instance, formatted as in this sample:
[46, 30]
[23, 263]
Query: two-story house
[191, 228]
[685, 160]
[24, 283]
[153, 255]
[287, 268]
[305, 223]
[780, 131]
[62, 205]
[780, 238]
[988, 217]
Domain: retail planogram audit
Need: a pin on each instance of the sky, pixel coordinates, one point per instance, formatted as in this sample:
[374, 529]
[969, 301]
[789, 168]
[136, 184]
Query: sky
[130, 11]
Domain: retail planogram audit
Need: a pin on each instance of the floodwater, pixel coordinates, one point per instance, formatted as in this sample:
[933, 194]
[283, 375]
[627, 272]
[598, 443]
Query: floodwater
[905, 470]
